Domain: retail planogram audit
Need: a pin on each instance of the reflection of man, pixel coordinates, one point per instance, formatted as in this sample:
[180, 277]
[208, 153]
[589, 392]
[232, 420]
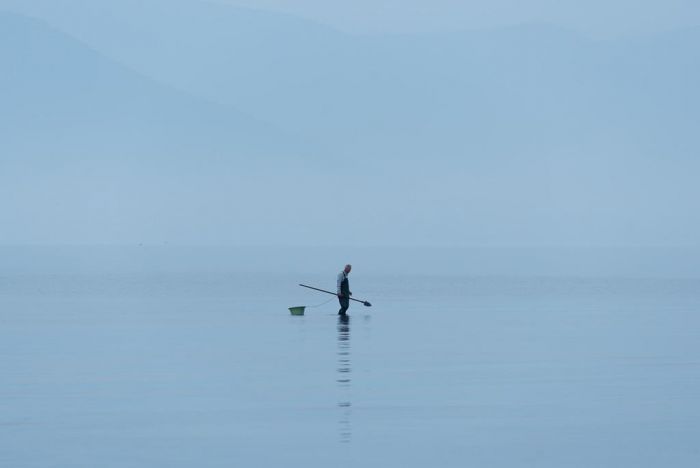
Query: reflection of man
[344, 290]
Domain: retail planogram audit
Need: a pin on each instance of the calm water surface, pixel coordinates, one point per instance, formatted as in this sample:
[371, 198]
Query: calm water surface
[184, 370]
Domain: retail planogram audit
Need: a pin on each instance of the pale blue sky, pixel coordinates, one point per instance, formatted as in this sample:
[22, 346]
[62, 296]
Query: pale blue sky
[595, 17]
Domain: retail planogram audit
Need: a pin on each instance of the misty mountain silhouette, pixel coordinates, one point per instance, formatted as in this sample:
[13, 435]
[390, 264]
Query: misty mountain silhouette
[528, 135]
[62, 98]
[524, 90]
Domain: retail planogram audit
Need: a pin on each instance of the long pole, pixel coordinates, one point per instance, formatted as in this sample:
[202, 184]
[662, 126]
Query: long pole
[367, 304]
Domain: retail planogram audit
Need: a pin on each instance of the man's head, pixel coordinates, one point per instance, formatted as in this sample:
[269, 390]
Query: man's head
[347, 269]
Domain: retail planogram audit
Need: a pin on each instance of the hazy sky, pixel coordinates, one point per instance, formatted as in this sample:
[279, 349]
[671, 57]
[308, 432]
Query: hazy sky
[183, 122]
[595, 17]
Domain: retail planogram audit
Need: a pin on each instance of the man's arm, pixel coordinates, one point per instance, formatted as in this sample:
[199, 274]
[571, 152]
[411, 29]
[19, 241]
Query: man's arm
[339, 283]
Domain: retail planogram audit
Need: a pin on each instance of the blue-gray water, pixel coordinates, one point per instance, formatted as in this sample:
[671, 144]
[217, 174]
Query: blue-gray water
[210, 369]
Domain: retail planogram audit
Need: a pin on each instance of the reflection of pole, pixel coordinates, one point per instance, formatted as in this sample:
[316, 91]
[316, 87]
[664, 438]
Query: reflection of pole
[343, 379]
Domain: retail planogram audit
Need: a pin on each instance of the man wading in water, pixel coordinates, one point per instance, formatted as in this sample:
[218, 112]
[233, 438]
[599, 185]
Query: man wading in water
[344, 290]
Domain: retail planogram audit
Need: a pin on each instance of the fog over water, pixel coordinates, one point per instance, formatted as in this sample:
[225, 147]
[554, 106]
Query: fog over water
[192, 123]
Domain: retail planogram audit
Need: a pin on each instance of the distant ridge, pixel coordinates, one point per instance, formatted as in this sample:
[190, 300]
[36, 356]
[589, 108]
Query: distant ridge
[65, 98]
[525, 90]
